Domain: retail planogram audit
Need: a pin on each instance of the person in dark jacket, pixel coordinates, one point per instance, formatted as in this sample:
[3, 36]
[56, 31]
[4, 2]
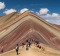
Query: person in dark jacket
[2, 51]
[17, 48]
[27, 45]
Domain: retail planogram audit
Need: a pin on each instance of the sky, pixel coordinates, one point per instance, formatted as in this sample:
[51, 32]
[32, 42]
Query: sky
[48, 9]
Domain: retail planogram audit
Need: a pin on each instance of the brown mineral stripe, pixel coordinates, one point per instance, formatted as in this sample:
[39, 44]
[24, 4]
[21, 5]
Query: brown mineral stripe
[17, 28]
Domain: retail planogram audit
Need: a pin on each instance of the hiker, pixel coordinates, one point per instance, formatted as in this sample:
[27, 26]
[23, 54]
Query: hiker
[27, 44]
[29, 41]
[2, 51]
[17, 49]
[39, 46]
[36, 42]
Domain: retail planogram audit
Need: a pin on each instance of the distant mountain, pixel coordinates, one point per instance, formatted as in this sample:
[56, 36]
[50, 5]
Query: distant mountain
[17, 28]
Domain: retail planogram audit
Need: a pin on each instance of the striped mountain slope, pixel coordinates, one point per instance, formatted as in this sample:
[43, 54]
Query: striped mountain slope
[17, 28]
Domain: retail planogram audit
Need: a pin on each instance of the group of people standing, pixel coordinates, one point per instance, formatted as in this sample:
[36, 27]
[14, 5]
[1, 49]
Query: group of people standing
[28, 44]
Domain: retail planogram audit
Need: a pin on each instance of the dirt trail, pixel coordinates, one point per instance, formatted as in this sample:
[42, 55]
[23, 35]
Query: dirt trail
[33, 51]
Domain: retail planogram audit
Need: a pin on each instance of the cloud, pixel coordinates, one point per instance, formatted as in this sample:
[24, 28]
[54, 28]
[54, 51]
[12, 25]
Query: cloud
[23, 10]
[55, 15]
[37, 13]
[47, 20]
[52, 18]
[44, 11]
[8, 11]
[47, 15]
[2, 5]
